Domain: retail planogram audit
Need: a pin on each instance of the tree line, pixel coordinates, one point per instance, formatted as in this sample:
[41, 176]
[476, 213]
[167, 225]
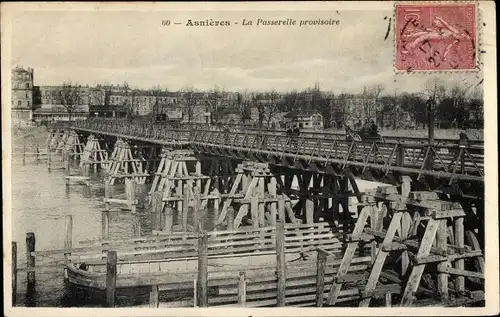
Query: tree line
[457, 105]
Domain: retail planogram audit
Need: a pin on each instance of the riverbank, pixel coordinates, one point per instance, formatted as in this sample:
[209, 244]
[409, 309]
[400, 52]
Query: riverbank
[29, 135]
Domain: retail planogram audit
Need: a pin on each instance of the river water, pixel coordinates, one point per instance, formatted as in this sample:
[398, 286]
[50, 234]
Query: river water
[40, 203]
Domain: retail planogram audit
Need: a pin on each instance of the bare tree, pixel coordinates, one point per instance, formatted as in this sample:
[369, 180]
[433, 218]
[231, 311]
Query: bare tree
[435, 88]
[213, 103]
[189, 102]
[370, 101]
[130, 100]
[157, 102]
[271, 106]
[243, 106]
[70, 97]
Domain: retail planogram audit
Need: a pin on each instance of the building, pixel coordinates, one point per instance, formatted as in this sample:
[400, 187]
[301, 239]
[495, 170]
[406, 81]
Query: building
[308, 120]
[58, 113]
[22, 93]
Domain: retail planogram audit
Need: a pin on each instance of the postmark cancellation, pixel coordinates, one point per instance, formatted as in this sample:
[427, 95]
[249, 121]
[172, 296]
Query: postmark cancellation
[435, 37]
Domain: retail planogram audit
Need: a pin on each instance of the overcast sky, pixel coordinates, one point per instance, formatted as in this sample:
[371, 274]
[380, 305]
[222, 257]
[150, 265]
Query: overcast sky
[99, 47]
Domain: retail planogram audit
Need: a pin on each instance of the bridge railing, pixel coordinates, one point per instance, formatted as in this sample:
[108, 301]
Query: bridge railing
[464, 159]
[455, 159]
[307, 133]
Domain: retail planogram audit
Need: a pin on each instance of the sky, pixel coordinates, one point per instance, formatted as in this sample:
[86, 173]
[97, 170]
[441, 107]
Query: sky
[92, 48]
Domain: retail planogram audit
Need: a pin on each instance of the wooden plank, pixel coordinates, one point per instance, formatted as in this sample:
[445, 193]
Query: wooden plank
[348, 255]
[459, 237]
[371, 284]
[202, 281]
[280, 263]
[30, 259]
[111, 278]
[320, 277]
[417, 270]
[153, 297]
[242, 290]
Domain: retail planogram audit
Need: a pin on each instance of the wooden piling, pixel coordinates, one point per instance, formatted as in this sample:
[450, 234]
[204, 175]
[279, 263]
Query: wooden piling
[459, 236]
[281, 208]
[37, 153]
[185, 208]
[281, 265]
[14, 273]
[66, 163]
[169, 219]
[153, 297]
[111, 278]
[137, 227]
[105, 225]
[49, 159]
[107, 192]
[320, 276]
[388, 299]
[242, 290]
[24, 154]
[68, 242]
[30, 257]
[254, 210]
[230, 218]
[309, 211]
[197, 224]
[202, 282]
[156, 209]
[130, 188]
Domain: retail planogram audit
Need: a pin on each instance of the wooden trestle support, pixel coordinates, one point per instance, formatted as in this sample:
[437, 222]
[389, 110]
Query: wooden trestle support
[250, 189]
[53, 139]
[126, 162]
[422, 239]
[73, 146]
[93, 156]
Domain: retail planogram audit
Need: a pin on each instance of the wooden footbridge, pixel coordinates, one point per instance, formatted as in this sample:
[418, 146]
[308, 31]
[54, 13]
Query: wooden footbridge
[415, 240]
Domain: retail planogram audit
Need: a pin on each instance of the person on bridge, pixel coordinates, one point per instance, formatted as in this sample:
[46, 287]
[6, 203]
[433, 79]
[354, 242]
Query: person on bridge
[373, 129]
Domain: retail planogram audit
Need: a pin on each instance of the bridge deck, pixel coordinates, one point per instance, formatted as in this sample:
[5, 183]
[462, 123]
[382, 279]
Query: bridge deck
[451, 162]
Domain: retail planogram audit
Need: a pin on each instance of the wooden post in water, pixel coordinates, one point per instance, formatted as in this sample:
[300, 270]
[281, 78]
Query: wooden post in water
[230, 218]
[66, 163]
[111, 260]
[281, 265]
[49, 159]
[281, 208]
[202, 282]
[24, 154]
[14, 273]
[105, 225]
[309, 211]
[185, 208]
[68, 242]
[37, 153]
[197, 224]
[153, 297]
[320, 277]
[130, 189]
[388, 299]
[169, 219]
[30, 257]
[137, 227]
[242, 290]
[107, 192]
[156, 204]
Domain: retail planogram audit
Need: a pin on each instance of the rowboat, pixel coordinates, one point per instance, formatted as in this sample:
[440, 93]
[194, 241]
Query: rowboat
[173, 258]
[182, 271]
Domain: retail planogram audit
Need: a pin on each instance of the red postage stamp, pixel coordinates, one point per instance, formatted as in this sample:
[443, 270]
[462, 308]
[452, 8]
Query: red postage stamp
[435, 37]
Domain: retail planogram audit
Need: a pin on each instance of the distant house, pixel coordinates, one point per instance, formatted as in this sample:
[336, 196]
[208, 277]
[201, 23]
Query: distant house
[59, 113]
[304, 120]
